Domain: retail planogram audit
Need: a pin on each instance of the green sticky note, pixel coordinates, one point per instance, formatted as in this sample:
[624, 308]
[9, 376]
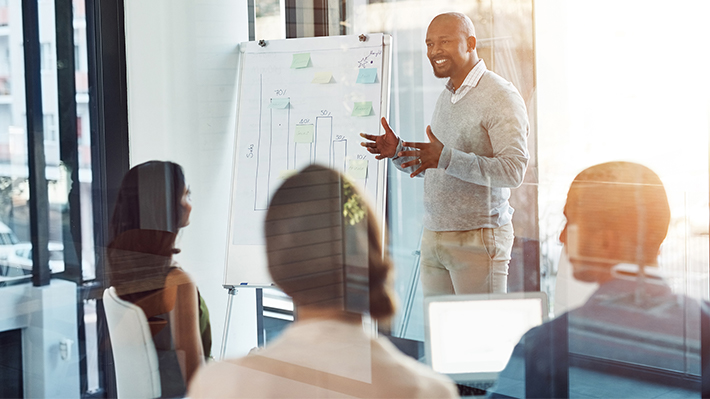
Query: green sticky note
[362, 109]
[322, 77]
[280, 103]
[304, 134]
[357, 168]
[300, 60]
[367, 75]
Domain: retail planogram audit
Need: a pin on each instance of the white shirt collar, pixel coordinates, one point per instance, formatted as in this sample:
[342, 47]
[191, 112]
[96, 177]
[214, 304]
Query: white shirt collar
[471, 81]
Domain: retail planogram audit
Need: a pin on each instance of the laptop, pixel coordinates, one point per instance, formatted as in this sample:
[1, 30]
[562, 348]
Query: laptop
[471, 337]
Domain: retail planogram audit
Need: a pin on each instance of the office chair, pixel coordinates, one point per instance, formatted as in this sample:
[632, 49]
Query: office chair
[135, 357]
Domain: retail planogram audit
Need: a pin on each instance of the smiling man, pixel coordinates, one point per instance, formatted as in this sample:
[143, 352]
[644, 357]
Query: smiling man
[477, 152]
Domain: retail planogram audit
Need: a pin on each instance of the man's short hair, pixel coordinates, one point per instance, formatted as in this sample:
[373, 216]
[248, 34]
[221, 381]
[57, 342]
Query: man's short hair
[624, 197]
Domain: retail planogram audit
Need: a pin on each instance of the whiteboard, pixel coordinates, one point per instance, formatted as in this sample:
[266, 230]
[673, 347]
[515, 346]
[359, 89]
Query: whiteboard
[302, 101]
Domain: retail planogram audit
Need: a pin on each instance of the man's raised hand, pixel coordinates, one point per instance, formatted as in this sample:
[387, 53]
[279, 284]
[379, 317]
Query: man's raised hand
[426, 155]
[383, 146]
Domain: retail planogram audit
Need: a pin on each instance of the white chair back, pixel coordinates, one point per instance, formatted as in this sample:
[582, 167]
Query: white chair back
[135, 358]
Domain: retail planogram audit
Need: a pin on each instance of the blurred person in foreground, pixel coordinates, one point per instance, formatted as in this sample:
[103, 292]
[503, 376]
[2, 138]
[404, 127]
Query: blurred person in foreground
[477, 152]
[617, 217]
[324, 250]
[152, 206]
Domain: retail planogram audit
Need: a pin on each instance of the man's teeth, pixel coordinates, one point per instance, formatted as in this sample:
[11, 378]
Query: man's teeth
[440, 61]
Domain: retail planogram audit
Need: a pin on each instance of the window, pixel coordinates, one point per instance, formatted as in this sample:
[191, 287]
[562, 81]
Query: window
[50, 128]
[14, 193]
[47, 57]
[270, 20]
[67, 213]
[575, 96]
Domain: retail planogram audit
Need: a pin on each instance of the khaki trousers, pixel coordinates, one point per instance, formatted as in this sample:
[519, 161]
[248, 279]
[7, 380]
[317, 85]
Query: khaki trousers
[466, 262]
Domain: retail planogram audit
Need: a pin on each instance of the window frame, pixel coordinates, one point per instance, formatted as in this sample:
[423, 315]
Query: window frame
[109, 130]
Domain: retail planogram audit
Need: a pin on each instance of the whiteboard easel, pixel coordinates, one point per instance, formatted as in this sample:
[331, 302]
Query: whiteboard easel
[301, 101]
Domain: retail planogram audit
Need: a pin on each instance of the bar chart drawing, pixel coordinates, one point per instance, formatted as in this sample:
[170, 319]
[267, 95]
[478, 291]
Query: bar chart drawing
[272, 154]
[289, 117]
[323, 140]
[340, 154]
[302, 153]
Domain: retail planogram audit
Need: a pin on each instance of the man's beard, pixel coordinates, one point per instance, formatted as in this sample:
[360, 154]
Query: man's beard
[445, 73]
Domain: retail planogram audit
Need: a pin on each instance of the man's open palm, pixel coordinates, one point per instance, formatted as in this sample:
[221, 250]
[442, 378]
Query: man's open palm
[383, 146]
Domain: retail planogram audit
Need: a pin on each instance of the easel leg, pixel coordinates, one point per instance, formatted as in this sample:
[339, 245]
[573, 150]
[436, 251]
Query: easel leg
[227, 317]
[260, 331]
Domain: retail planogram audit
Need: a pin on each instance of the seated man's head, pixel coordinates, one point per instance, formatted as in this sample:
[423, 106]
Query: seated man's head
[324, 246]
[616, 212]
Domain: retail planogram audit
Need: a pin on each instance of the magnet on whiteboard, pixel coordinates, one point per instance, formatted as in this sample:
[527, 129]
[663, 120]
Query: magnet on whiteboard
[363, 37]
[262, 43]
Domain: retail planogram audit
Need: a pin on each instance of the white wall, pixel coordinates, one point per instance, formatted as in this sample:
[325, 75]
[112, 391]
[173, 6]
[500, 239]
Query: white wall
[181, 60]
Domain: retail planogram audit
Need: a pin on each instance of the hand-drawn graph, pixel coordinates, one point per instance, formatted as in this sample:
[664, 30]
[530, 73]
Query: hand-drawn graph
[287, 120]
[272, 153]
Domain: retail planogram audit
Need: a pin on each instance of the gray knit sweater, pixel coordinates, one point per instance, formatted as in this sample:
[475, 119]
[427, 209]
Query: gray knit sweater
[485, 154]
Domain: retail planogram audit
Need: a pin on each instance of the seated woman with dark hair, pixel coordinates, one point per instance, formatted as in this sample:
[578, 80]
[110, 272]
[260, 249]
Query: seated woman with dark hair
[152, 206]
[324, 249]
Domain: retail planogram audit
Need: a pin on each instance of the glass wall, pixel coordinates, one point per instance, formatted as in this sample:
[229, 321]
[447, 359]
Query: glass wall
[602, 81]
[603, 97]
[15, 216]
[604, 101]
[68, 179]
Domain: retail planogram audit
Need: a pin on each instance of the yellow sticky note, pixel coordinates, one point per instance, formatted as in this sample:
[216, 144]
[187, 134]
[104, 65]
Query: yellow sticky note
[357, 168]
[362, 108]
[300, 60]
[322, 77]
[280, 103]
[304, 134]
[285, 174]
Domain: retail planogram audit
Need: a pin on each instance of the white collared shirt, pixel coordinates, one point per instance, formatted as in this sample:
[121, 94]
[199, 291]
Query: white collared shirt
[470, 82]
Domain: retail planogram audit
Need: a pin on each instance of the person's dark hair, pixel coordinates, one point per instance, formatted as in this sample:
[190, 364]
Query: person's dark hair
[149, 198]
[146, 219]
[324, 245]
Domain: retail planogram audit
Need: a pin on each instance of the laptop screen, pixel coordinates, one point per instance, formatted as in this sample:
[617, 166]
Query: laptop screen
[471, 337]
